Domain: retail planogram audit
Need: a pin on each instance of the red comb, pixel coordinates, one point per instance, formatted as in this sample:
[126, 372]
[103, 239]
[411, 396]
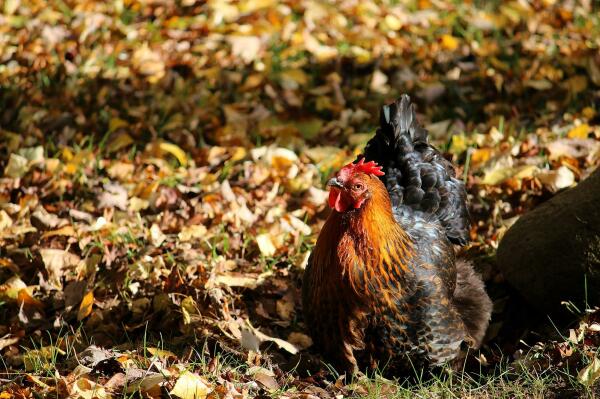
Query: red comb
[370, 168]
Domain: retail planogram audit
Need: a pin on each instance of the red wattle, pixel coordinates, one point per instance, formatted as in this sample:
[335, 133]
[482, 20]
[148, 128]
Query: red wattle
[337, 200]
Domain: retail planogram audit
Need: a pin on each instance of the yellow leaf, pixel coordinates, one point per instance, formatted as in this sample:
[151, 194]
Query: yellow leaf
[458, 144]
[10, 6]
[539, 84]
[149, 63]
[71, 168]
[190, 386]
[361, 55]
[193, 232]
[481, 155]
[161, 353]
[296, 75]
[174, 150]
[121, 141]
[86, 306]
[588, 112]
[588, 375]
[116, 123]
[239, 153]
[393, 22]
[309, 128]
[17, 166]
[252, 81]
[250, 6]
[500, 174]
[449, 42]
[321, 52]
[265, 245]
[579, 132]
[63, 231]
[577, 84]
[67, 154]
[10, 289]
[188, 308]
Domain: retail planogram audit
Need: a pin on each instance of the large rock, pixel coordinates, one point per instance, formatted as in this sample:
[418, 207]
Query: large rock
[549, 252]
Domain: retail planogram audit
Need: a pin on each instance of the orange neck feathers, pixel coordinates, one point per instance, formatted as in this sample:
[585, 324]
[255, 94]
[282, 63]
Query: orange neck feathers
[365, 242]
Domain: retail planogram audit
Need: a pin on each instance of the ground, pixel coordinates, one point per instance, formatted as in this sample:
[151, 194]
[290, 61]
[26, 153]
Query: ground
[162, 167]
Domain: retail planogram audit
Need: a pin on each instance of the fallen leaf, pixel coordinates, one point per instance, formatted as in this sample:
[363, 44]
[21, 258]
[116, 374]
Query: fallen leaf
[267, 381]
[321, 52]
[188, 309]
[594, 327]
[251, 338]
[137, 204]
[121, 171]
[147, 382]
[579, 132]
[42, 356]
[5, 220]
[174, 150]
[265, 244]
[162, 354]
[576, 84]
[84, 388]
[57, 262]
[113, 196]
[149, 63]
[300, 340]
[17, 166]
[157, 237]
[25, 298]
[557, 179]
[68, 231]
[393, 22]
[285, 306]
[193, 232]
[85, 308]
[245, 47]
[589, 374]
[539, 84]
[7, 340]
[449, 42]
[46, 219]
[11, 287]
[190, 386]
[458, 144]
[10, 6]
[379, 82]
[499, 173]
[572, 148]
[480, 156]
[237, 280]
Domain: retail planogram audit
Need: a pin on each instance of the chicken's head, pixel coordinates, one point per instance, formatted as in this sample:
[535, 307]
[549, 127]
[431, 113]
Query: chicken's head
[351, 186]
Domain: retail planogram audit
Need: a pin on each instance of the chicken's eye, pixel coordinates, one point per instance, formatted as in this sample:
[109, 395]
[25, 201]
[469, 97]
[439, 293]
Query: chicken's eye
[357, 187]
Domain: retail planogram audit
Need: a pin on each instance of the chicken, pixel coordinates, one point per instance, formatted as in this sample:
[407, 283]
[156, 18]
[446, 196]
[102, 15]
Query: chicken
[383, 288]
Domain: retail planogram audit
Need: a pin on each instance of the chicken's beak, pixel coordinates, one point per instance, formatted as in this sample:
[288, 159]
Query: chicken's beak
[334, 182]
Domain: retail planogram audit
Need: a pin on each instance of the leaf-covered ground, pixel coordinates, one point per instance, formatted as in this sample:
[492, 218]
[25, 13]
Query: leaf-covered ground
[162, 168]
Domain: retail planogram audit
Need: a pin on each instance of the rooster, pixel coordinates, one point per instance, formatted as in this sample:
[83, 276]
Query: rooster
[383, 288]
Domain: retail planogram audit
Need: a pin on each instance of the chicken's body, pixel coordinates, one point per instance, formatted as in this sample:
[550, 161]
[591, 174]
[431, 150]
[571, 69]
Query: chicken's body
[381, 287]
